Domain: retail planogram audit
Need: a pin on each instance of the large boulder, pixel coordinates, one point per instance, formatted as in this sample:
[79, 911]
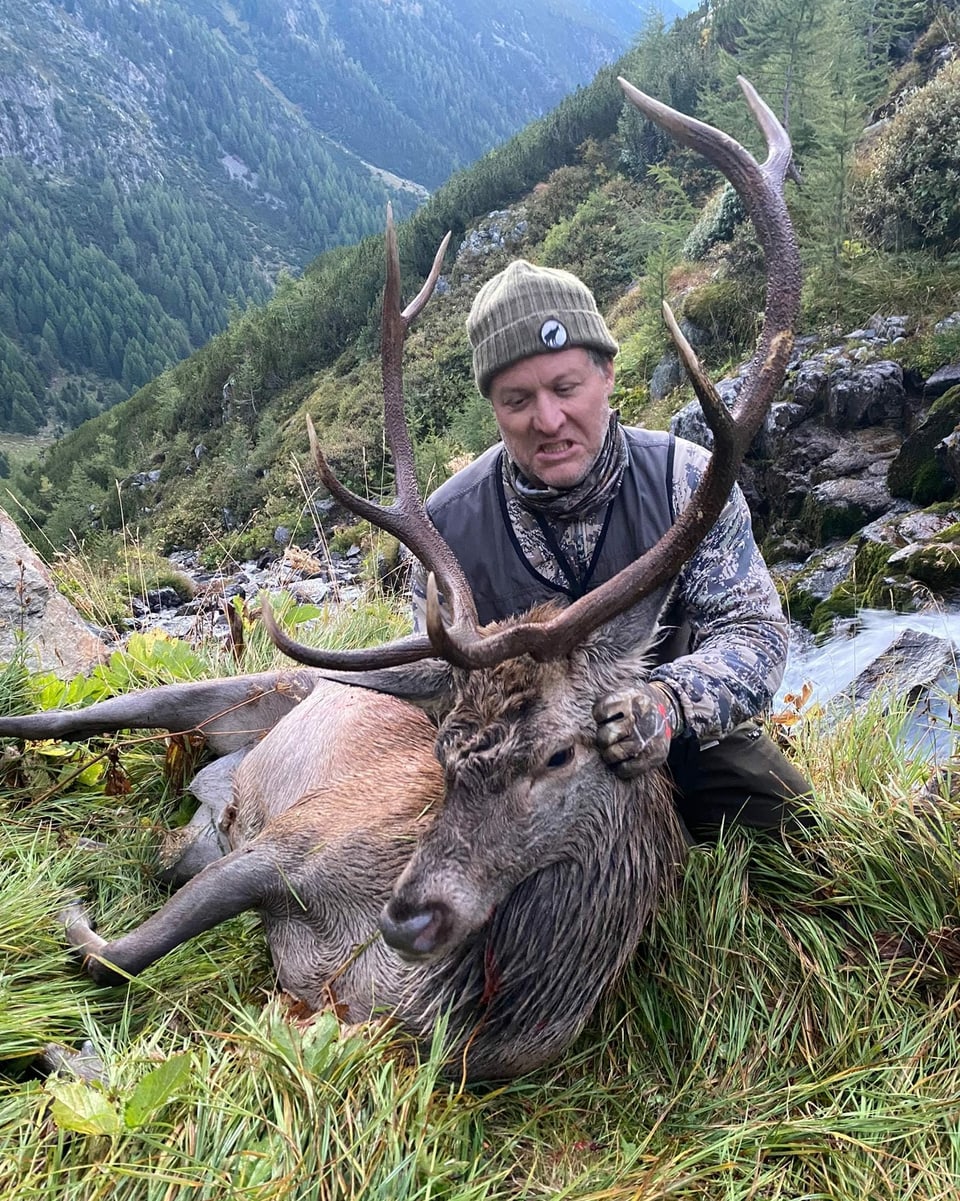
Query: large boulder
[909, 668]
[837, 508]
[918, 472]
[942, 381]
[34, 618]
[865, 394]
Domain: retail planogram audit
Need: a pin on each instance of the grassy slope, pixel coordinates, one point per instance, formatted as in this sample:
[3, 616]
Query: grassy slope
[790, 1030]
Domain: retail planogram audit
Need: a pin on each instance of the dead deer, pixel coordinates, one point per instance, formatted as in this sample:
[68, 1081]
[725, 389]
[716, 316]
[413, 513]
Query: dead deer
[512, 870]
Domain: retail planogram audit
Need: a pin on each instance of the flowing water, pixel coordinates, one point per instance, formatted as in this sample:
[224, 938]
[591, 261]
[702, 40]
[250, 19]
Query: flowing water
[831, 666]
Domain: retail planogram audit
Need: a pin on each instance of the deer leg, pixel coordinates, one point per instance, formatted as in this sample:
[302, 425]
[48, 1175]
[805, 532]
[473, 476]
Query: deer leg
[231, 885]
[190, 848]
[231, 713]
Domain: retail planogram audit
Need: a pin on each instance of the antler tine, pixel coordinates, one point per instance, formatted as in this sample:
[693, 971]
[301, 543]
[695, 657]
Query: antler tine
[761, 188]
[403, 650]
[406, 518]
[710, 399]
[413, 309]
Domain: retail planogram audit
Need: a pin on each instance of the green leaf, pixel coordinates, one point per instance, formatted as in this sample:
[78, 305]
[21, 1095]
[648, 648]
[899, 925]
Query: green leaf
[155, 1089]
[83, 1109]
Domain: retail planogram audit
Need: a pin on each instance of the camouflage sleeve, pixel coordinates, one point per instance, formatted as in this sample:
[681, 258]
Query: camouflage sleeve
[739, 633]
[418, 590]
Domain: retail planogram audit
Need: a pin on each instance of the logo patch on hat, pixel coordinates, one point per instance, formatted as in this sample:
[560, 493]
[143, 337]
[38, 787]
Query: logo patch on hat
[553, 334]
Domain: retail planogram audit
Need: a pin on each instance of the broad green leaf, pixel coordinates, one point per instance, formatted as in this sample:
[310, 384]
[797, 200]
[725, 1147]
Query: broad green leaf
[155, 1089]
[83, 1109]
[92, 774]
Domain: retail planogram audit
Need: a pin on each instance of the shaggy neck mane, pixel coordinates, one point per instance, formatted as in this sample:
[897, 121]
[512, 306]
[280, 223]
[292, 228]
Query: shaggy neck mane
[521, 989]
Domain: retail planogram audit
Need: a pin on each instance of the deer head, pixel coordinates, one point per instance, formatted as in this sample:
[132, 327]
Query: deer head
[525, 787]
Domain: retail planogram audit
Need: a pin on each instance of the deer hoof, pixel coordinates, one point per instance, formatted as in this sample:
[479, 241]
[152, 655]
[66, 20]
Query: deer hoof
[88, 944]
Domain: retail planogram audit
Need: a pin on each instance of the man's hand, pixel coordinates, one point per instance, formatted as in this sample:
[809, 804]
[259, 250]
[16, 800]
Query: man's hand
[634, 729]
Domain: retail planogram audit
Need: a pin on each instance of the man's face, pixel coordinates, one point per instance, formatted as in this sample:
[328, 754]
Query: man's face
[553, 413]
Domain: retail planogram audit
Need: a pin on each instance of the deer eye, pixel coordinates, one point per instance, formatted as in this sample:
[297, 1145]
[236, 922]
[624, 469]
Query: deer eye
[560, 758]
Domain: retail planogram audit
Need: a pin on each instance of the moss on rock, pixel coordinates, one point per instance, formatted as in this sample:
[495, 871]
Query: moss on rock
[719, 309]
[868, 586]
[916, 473]
[936, 565]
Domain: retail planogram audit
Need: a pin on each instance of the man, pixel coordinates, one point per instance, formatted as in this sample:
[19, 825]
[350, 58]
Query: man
[568, 499]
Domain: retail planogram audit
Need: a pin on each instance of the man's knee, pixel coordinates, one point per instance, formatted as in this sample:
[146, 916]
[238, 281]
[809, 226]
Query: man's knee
[744, 778]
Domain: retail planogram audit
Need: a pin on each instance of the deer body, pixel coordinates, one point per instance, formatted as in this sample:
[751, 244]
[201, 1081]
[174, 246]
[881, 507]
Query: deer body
[546, 877]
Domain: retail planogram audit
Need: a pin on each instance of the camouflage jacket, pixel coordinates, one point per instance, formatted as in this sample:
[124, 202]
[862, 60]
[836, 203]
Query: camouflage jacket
[736, 635]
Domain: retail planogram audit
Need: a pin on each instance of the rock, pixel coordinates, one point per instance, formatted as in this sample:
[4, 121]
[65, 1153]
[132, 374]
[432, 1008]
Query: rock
[947, 452]
[818, 578]
[910, 667]
[497, 231]
[904, 524]
[690, 422]
[916, 473]
[941, 381]
[838, 508]
[948, 324]
[141, 479]
[890, 329]
[936, 564]
[667, 376]
[861, 452]
[868, 394]
[784, 416]
[311, 592]
[55, 637]
[809, 385]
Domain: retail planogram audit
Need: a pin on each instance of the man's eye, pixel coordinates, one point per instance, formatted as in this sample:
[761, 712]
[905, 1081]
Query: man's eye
[560, 758]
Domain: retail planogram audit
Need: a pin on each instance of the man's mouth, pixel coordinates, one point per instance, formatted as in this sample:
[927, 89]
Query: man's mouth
[556, 448]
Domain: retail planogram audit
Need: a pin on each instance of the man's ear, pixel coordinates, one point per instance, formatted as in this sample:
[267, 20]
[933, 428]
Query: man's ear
[428, 684]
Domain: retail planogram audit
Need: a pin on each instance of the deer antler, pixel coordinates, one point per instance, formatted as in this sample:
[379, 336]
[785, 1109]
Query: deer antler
[405, 518]
[761, 188]
[463, 642]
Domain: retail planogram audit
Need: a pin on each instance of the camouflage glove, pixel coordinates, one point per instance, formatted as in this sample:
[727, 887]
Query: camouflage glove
[634, 728]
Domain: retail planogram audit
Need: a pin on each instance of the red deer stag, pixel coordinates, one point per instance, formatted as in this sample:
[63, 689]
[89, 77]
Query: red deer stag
[510, 867]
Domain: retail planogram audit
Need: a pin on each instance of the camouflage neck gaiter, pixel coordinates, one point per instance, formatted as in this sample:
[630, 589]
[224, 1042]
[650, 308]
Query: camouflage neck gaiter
[575, 516]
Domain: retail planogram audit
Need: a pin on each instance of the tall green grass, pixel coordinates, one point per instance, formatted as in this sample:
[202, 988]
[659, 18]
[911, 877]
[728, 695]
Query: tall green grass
[789, 1030]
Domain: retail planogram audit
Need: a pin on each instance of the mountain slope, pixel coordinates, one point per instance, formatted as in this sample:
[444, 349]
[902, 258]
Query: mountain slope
[160, 162]
[206, 448]
[424, 88]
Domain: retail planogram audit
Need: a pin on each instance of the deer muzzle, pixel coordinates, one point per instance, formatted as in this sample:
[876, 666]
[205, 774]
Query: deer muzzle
[416, 932]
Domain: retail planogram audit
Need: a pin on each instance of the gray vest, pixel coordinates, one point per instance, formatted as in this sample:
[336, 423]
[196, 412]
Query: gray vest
[470, 512]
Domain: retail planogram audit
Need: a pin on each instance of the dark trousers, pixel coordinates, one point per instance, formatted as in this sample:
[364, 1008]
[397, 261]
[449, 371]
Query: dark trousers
[744, 779]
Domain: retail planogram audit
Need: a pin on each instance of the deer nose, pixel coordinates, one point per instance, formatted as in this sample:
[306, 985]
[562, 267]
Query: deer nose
[415, 932]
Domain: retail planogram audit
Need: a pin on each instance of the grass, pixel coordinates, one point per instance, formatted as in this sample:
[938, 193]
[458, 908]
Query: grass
[790, 1029]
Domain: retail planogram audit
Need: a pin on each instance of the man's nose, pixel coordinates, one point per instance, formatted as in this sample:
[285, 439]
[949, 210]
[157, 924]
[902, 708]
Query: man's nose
[548, 415]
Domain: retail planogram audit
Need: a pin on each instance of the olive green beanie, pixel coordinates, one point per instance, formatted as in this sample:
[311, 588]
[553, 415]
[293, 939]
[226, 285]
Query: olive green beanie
[527, 310]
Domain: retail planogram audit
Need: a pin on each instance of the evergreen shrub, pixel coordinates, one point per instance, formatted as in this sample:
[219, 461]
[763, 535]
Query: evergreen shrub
[907, 196]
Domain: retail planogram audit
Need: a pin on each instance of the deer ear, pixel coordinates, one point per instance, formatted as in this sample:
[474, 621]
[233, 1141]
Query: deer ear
[633, 631]
[426, 683]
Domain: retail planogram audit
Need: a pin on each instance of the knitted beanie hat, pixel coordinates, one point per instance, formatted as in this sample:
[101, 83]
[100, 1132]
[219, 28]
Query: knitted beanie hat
[527, 310]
